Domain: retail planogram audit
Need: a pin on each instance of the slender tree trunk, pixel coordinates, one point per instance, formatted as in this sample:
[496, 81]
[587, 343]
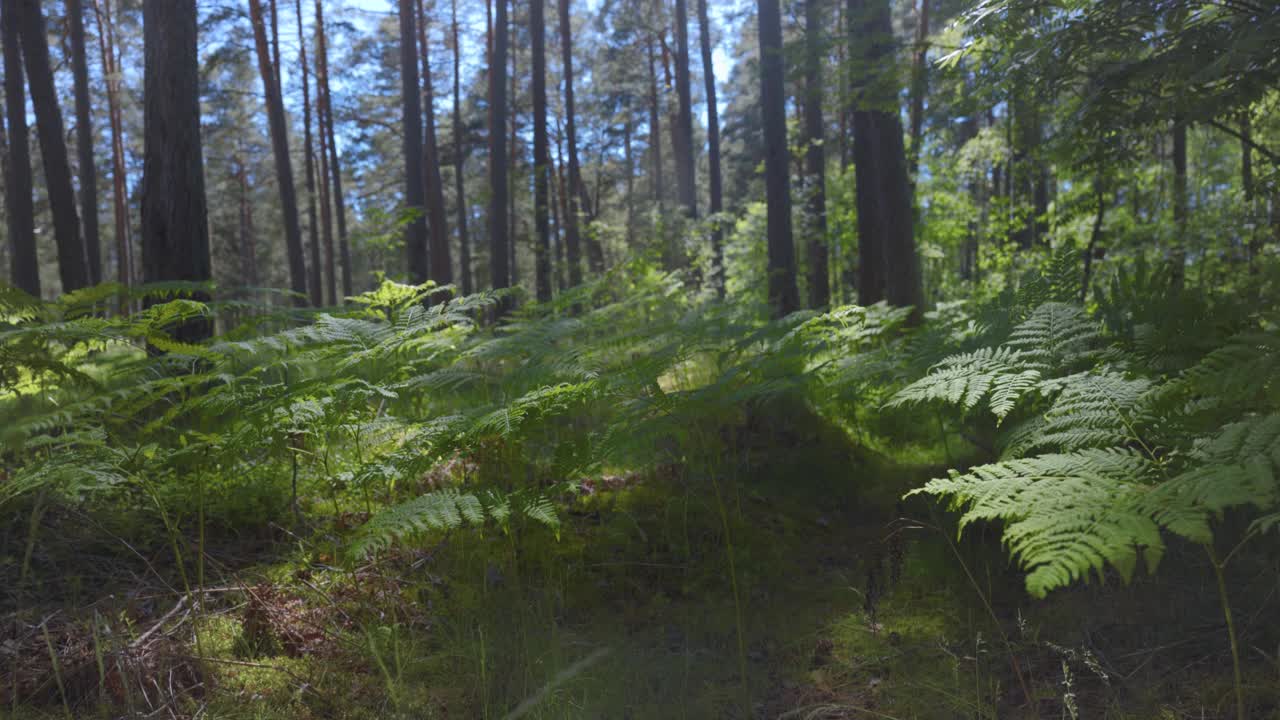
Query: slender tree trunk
[783, 295]
[460, 160]
[309, 165]
[513, 173]
[541, 154]
[655, 130]
[1254, 248]
[335, 166]
[686, 183]
[815, 156]
[84, 140]
[437, 217]
[24, 267]
[715, 183]
[1179, 254]
[888, 266]
[629, 159]
[283, 163]
[72, 257]
[499, 272]
[558, 211]
[326, 206]
[919, 86]
[571, 217]
[175, 228]
[411, 114]
[248, 245]
[1095, 239]
[119, 179]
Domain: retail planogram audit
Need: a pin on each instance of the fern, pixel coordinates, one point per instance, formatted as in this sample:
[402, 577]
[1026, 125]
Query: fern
[445, 510]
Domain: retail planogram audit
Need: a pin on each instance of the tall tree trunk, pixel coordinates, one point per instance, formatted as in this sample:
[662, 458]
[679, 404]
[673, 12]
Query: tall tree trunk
[24, 266]
[571, 218]
[499, 272]
[541, 154]
[175, 228]
[628, 157]
[437, 217]
[72, 258]
[411, 118]
[1254, 248]
[686, 183]
[247, 239]
[888, 266]
[119, 179]
[919, 86]
[84, 140]
[655, 129]
[815, 156]
[335, 166]
[326, 206]
[784, 298]
[309, 165]
[715, 182]
[280, 150]
[460, 160]
[1179, 255]
[559, 210]
[513, 186]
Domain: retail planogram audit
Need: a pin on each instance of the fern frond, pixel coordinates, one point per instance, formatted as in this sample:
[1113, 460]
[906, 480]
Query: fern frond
[445, 510]
[998, 373]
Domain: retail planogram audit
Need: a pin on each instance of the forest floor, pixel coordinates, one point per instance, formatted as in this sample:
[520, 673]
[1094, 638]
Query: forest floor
[798, 590]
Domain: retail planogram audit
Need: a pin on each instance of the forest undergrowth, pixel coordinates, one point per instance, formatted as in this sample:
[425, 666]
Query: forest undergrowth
[636, 501]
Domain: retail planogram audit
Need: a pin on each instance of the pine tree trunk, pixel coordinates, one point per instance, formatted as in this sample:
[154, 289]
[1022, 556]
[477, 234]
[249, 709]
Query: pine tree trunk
[629, 160]
[411, 130]
[119, 179]
[460, 160]
[326, 209]
[784, 298]
[73, 260]
[280, 150]
[686, 183]
[309, 163]
[571, 216]
[175, 234]
[655, 130]
[815, 157]
[541, 154]
[247, 240]
[919, 86]
[84, 140]
[715, 183]
[437, 217]
[499, 272]
[1179, 255]
[513, 186]
[24, 266]
[330, 139]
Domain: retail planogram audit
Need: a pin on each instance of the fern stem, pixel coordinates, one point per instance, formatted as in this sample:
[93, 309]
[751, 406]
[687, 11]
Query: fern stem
[1218, 571]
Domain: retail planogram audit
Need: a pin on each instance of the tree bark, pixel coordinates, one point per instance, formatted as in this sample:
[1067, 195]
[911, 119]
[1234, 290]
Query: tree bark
[715, 182]
[919, 86]
[1179, 255]
[411, 124]
[437, 218]
[247, 240]
[888, 266]
[655, 130]
[309, 165]
[335, 165]
[73, 267]
[24, 266]
[816, 157]
[119, 180]
[326, 204]
[571, 216]
[460, 160]
[175, 229]
[280, 150]
[784, 298]
[499, 272]
[686, 183]
[84, 140]
[541, 154]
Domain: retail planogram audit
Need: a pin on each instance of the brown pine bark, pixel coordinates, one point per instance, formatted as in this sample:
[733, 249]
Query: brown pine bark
[715, 183]
[460, 160]
[499, 272]
[175, 234]
[73, 262]
[119, 175]
[280, 151]
[24, 265]
[411, 131]
[919, 85]
[686, 185]
[441, 260]
[309, 163]
[1179, 255]
[331, 141]
[541, 154]
[84, 140]
[815, 157]
[655, 129]
[573, 243]
[784, 297]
